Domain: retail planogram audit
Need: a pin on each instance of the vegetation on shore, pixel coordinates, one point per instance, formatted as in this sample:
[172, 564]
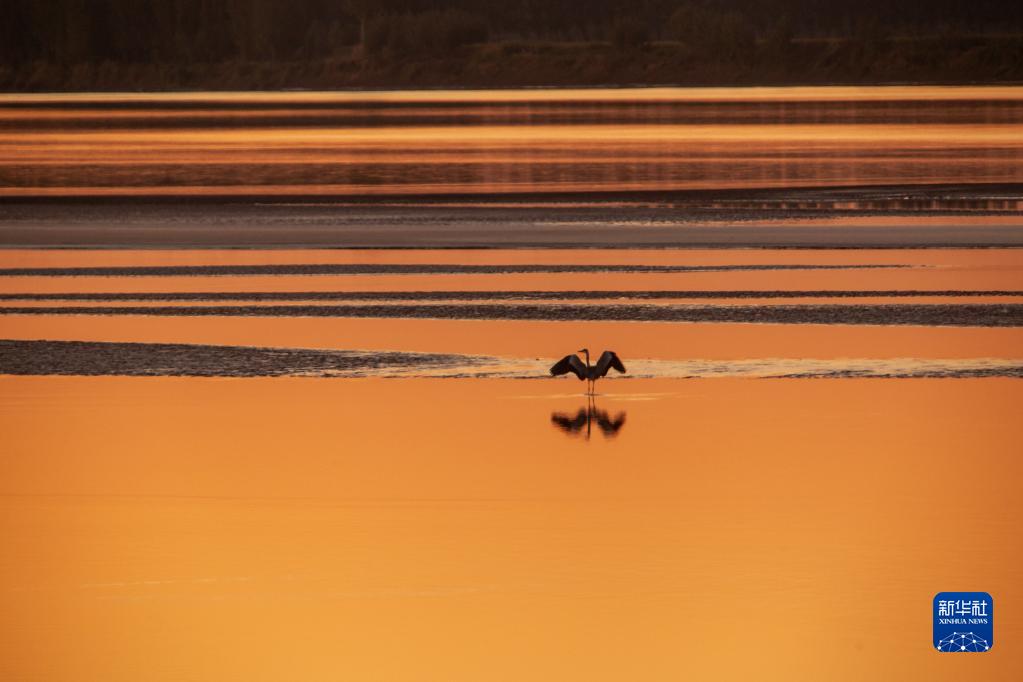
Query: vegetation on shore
[270, 44]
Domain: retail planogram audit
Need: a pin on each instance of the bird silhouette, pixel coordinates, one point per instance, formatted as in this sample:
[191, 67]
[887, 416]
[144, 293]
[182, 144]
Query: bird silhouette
[584, 418]
[589, 373]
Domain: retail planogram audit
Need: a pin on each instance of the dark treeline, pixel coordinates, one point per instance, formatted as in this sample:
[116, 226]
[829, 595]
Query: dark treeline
[42, 42]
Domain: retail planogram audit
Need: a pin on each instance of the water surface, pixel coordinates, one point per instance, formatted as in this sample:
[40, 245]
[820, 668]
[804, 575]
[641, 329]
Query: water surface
[311, 528]
[512, 142]
[277, 406]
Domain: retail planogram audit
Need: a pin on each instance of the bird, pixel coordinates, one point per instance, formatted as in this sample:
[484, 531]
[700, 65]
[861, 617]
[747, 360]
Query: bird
[572, 363]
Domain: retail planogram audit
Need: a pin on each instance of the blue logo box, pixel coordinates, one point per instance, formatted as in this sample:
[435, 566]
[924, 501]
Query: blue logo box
[963, 622]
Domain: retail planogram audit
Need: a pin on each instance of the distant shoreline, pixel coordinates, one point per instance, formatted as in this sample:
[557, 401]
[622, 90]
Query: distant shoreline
[412, 87]
[507, 65]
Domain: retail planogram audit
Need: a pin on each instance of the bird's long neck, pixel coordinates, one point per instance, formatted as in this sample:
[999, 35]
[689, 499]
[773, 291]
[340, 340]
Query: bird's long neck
[587, 353]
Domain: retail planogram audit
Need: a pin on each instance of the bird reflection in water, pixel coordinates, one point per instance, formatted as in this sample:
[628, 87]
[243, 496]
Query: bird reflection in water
[581, 424]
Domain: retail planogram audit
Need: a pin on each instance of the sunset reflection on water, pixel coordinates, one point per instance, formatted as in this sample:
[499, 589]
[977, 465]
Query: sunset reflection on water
[698, 518]
[532, 141]
[310, 528]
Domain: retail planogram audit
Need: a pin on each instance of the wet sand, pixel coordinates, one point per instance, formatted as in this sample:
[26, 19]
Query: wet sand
[162, 359]
[608, 295]
[649, 222]
[80, 358]
[961, 314]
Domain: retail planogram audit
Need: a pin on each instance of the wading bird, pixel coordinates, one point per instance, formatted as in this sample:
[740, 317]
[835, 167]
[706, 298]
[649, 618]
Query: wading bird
[572, 363]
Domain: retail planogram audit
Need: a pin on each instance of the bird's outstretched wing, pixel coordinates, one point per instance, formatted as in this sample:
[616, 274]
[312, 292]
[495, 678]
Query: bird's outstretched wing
[569, 363]
[608, 359]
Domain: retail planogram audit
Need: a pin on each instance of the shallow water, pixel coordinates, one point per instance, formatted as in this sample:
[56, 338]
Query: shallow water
[352, 465]
[269, 528]
[90, 358]
[915, 304]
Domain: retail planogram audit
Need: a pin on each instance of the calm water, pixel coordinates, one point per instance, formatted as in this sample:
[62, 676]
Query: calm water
[507, 142]
[276, 527]
[265, 505]
[266, 529]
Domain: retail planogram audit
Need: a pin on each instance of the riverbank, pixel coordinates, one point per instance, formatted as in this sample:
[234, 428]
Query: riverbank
[937, 60]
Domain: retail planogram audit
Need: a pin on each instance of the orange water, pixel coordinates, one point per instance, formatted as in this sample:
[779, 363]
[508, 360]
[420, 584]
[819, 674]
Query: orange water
[471, 142]
[168, 529]
[409, 529]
